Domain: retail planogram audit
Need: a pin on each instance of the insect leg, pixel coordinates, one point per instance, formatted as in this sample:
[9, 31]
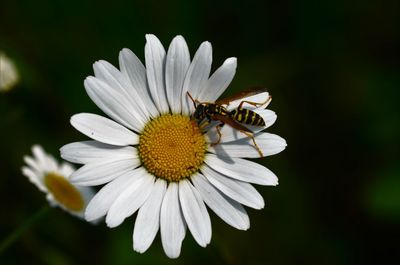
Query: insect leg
[250, 135]
[255, 104]
[218, 127]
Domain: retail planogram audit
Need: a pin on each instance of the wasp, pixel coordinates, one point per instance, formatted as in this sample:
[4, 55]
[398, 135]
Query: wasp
[236, 118]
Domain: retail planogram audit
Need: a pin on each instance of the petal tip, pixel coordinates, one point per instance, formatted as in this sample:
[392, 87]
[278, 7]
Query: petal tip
[231, 60]
[140, 248]
[206, 45]
[244, 227]
[151, 37]
[178, 37]
[88, 216]
[89, 80]
[173, 255]
[125, 51]
[111, 224]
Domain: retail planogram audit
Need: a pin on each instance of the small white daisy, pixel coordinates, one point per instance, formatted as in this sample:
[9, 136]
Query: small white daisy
[155, 159]
[9, 76]
[52, 178]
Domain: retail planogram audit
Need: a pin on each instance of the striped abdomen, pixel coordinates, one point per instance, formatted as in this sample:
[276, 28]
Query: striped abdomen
[247, 116]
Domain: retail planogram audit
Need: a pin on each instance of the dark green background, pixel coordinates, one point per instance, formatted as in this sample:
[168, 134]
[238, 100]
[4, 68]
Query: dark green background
[332, 68]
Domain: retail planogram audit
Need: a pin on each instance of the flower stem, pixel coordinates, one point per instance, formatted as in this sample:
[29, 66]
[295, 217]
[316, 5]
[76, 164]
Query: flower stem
[10, 239]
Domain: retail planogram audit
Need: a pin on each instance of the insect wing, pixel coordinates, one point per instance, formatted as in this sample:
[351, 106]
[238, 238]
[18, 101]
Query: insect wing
[231, 122]
[242, 94]
[256, 95]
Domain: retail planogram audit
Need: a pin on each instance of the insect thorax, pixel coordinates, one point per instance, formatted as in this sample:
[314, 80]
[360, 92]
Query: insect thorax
[213, 109]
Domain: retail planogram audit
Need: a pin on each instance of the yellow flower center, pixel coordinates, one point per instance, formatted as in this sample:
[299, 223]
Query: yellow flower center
[172, 147]
[64, 192]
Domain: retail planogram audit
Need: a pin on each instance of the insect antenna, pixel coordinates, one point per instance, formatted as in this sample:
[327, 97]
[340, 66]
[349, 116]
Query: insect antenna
[194, 101]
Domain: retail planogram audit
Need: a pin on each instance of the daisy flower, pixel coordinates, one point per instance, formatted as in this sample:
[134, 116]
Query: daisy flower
[155, 159]
[9, 76]
[52, 178]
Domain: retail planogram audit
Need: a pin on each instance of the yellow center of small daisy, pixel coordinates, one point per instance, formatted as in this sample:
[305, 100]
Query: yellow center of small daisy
[64, 192]
[172, 147]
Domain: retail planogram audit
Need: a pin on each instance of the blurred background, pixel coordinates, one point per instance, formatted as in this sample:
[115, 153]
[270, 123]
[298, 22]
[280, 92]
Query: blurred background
[332, 68]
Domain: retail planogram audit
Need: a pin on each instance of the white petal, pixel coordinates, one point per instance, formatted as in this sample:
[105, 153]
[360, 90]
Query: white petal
[219, 81]
[172, 225]
[103, 130]
[102, 201]
[40, 156]
[33, 177]
[242, 169]
[148, 218]
[270, 144]
[103, 171]
[52, 164]
[240, 191]
[176, 66]
[87, 193]
[197, 75]
[52, 201]
[66, 169]
[195, 213]
[115, 79]
[9, 75]
[33, 164]
[260, 98]
[131, 198]
[113, 103]
[155, 70]
[134, 70]
[91, 151]
[44, 162]
[232, 212]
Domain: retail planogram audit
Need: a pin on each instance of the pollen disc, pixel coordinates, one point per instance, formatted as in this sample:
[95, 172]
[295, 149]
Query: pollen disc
[172, 147]
[64, 192]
